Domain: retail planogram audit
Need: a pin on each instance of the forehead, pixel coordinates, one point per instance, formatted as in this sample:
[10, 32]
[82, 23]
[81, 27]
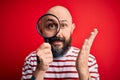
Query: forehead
[64, 21]
[62, 13]
[52, 18]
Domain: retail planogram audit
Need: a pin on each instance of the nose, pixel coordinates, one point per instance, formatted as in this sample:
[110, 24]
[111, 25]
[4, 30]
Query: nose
[59, 34]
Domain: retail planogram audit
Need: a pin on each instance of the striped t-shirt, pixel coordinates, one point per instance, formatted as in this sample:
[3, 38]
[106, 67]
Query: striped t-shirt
[62, 68]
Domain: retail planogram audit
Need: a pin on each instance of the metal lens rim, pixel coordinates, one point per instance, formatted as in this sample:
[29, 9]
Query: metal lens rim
[41, 18]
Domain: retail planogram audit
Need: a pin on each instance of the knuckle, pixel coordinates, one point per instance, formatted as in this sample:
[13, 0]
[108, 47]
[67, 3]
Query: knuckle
[46, 44]
[39, 52]
[47, 51]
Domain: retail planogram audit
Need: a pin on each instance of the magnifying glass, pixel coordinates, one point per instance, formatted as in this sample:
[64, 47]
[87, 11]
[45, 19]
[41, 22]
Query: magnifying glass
[48, 26]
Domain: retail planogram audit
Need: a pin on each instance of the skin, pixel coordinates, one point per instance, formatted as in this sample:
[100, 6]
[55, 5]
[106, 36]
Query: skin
[82, 59]
[44, 51]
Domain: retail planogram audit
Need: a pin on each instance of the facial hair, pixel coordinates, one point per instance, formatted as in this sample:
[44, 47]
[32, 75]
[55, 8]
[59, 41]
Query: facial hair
[58, 52]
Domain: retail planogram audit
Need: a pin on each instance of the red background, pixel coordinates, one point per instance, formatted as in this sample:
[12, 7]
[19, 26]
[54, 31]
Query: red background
[18, 35]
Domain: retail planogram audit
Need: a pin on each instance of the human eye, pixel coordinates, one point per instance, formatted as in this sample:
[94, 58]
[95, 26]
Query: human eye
[63, 25]
[51, 26]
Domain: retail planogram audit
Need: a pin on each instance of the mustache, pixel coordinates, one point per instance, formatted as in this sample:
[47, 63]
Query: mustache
[57, 39]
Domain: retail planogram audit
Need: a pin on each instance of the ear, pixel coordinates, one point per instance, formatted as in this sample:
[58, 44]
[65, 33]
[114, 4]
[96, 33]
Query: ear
[73, 27]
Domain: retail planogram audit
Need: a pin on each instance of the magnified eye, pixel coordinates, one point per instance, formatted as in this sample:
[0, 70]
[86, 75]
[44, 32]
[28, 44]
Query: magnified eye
[48, 26]
[51, 26]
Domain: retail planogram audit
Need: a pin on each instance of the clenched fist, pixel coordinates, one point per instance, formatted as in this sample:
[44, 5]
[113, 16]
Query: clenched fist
[45, 56]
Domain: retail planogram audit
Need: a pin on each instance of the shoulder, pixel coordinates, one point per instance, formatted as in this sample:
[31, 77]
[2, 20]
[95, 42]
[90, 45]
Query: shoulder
[92, 61]
[74, 49]
[91, 57]
[31, 57]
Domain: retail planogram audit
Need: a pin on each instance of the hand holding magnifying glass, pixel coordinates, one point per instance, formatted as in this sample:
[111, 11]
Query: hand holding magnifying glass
[48, 26]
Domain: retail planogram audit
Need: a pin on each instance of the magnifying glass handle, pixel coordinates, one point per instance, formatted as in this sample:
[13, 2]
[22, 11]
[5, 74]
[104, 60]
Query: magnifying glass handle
[38, 60]
[46, 40]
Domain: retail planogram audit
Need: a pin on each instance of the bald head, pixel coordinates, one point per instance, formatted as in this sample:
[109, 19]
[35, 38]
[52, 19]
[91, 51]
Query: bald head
[61, 41]
[61, 12]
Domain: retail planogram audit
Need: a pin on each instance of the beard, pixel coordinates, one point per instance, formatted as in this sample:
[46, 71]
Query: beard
[58, 52]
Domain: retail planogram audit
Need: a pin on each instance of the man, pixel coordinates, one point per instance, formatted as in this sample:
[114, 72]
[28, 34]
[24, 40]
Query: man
[60, 60]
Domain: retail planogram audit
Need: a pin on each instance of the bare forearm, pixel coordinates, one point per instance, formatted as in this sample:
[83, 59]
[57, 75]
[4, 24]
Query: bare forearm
[84, 77]
[84, 74]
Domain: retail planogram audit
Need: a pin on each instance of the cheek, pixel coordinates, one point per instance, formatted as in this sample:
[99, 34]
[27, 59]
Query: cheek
[67, 34]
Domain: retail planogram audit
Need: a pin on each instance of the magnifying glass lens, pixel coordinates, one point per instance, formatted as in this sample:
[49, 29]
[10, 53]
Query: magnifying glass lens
[48, 26]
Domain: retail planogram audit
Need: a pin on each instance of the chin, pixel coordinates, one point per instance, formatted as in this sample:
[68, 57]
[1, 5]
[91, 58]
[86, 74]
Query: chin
[60, 47]
[59, 51]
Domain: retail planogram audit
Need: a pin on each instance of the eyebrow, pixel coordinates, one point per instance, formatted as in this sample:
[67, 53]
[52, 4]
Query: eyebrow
[63, 20]
[49, 20]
